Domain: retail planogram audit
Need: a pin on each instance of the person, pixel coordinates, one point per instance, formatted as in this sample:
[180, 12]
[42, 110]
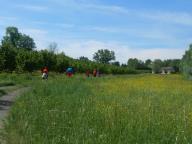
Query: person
[94, 73]
[69, 71]
[45, 73]
[98, 74]
[87, 73]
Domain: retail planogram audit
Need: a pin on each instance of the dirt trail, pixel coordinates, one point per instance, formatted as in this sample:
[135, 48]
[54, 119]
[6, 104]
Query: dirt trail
[8, 87]
[6, 102]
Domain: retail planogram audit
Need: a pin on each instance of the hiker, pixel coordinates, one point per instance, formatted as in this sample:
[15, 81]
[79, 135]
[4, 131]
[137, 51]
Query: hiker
[87, 73]
[94, 73]
[45, 73]
[69, 71]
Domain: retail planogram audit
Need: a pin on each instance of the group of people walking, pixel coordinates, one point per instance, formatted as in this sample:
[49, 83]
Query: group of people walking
[69, 72]
[95, 73]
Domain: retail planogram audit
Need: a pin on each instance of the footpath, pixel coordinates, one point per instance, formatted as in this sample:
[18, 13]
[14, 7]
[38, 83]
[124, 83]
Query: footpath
[6, 101]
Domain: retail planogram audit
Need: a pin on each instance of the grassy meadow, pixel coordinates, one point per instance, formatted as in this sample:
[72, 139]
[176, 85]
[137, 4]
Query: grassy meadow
[135, 109]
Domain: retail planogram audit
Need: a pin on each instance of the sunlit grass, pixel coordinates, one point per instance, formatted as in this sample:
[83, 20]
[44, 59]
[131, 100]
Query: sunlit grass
[146, 109]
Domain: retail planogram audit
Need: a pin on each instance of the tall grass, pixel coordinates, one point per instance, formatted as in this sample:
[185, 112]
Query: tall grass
[147, 109]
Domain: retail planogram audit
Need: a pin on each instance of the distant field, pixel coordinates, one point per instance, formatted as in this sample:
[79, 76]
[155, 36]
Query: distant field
[140, 109]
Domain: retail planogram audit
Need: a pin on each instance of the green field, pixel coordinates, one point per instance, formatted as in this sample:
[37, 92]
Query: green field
[138, 109]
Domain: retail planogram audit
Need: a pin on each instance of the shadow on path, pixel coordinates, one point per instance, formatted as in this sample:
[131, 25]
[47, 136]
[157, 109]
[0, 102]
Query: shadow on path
[5, 103]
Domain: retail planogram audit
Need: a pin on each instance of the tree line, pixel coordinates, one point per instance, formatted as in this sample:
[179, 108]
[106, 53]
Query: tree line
[18, 53]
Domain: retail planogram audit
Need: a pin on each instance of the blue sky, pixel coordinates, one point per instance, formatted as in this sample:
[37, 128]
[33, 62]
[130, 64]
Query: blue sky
[132, 28]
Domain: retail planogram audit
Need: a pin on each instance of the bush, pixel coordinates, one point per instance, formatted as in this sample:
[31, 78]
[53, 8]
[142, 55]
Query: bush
[186, 64]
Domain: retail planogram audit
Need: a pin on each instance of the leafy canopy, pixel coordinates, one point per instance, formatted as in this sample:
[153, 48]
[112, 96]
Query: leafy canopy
[186, 63]
[104, 56]
[18, 40]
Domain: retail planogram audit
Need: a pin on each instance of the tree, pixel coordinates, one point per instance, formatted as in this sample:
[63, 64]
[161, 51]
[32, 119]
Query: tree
[48, 59]
[2, 59]
[123, 65]
[26, 42]
[62, 62]
[27, 61]
[186, 63]
[12, 36]
[18, 40]
[157, 65]
[8, 54]
[52, 47]
[175, 63]
[116, 63]
[82, 58]
[133, 63]
[148, 63]
[104, 56]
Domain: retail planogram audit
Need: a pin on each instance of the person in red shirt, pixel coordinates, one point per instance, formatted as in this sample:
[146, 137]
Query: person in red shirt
[94, 73]
[87, 73]
[45, 73]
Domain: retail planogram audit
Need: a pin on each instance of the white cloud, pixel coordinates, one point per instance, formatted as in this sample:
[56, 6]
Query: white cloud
[32, 7]
[64, 25]
[111, 8]
[39, 36]
[7, 20]
[147, 33]
[108, 29]
[183, 18]
[173, 17]
[4, 18]
[59, 25]
[123, 52]
[180, 17]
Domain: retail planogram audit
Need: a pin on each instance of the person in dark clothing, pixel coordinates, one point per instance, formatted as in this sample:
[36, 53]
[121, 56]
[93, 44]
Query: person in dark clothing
[87, 73]
[94, 73]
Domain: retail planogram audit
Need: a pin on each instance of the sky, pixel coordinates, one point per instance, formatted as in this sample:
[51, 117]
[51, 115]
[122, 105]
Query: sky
[143, 29]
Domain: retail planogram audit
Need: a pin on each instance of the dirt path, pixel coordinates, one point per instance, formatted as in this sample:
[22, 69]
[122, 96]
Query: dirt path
[8, 87]
[6, 102]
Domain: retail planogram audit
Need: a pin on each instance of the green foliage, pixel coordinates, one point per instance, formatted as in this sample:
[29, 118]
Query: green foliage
[26, 42]
[157, 65]
[48, 59]
[104, 56]
[2, 59]
[116, 63]
[148, 63]
[175, 63]
[62, 62]
[17, 54]
[139, 109]
[82, 58]
[12, 37]
[17, 40]
[52, 47]
[8, 54]
[27, 60]
[186, 63]
[134, 63]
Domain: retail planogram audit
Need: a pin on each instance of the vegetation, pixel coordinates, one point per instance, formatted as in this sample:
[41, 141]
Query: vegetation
[124, 109]
[17, 53]
[18, 40]
[104, 56]
[134, 63]
[187, 63]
